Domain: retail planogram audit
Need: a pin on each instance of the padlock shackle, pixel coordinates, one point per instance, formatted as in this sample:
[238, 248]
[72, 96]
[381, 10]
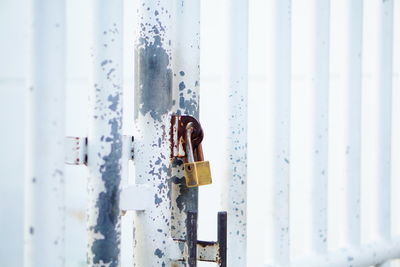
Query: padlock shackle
[199, 153]
[188, 142]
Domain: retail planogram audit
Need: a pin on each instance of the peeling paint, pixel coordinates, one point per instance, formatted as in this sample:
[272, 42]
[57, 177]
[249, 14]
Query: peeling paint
[104, 142]
[106, 249]
[153, 103]
[154, 88]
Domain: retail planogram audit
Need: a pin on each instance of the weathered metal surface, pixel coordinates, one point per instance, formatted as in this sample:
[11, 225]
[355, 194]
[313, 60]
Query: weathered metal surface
[185, 94]
[235, 184]
[179, 131]
[44, 181]
[153, 104]
[222, 239]
[105, 136]
[191, 238]
[209, 251]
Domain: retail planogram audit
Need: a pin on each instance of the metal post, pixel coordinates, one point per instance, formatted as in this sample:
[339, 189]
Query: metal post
[105, 136]
[191, 238]
[378, 92]
[312, 65]
[346, 137]
[44, 181]
[153, 104]
[279, 59]
[235, 185]
[186, 85]
[383, 92]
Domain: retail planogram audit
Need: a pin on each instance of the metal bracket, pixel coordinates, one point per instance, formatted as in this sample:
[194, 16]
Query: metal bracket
[178, 130]
[193, 250]
[127, 142]
[76, 149]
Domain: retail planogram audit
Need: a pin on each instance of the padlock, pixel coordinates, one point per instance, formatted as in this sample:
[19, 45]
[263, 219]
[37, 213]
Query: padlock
[197, 171]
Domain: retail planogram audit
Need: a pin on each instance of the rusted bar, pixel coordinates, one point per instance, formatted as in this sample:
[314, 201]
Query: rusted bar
[191, 239]
[222, 238]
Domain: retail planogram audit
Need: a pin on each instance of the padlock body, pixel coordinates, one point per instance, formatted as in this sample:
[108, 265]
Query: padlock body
[197, 173]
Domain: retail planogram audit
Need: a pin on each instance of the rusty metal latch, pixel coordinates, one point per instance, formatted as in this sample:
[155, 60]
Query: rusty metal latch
[76, 149]
[133, 197]
[186, 138]
[194, 250]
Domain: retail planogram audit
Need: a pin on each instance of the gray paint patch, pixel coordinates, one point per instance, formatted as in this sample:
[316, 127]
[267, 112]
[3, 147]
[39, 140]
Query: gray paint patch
[182, 86]
[190, 106]
[153, 84]
[158, 253]
[157, 200]
[107, 250]
[114, 102]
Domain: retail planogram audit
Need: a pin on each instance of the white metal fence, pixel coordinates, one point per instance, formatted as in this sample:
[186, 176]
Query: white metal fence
[316, 183]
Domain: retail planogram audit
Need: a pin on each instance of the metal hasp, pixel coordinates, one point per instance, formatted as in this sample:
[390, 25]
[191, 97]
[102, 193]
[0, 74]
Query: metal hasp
[44, 225]
[104, 148]
[186, 137]
[76, 149]
[209, 251]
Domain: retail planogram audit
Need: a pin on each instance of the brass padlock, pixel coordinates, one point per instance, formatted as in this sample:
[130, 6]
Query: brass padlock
[197, 171]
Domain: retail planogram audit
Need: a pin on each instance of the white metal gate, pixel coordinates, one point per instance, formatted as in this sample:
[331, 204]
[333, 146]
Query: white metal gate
[315, 185]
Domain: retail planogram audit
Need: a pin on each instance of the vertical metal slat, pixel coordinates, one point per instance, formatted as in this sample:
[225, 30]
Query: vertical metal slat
[105, 136]
[44, 181]
[152, 118]
[235, 190]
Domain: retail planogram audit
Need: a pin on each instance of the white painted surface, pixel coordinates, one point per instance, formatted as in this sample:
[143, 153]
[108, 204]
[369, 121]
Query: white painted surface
[345, 124]
[234, 184]
[278, 72]
[135, 197]
[310, 124]
[44, 225]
